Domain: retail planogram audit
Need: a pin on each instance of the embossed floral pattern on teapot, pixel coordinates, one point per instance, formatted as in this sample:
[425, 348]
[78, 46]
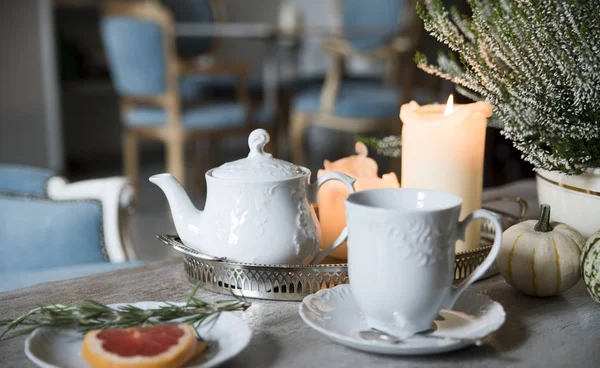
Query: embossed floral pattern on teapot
[258, 210]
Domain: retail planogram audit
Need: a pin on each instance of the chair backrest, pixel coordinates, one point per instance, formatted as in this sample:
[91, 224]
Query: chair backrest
[38, 233]
[24, 180]
[372, 14]
[46, 222]
[138, 38]
[198, 11]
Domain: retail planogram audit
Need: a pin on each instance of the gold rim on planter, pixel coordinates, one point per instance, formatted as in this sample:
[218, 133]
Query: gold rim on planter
[570, 187]
[294, 282]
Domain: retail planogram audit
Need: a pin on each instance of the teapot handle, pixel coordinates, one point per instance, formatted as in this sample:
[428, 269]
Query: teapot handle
[313, 189]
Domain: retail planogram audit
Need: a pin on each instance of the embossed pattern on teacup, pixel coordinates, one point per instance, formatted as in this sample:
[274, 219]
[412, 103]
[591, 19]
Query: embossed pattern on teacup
[423, 240]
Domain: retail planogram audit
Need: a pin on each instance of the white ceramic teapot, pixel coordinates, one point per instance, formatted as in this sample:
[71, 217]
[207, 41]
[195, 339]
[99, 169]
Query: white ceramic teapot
[258, 210]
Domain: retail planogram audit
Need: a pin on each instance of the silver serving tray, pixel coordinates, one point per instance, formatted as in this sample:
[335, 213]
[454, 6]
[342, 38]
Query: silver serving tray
[294, 282]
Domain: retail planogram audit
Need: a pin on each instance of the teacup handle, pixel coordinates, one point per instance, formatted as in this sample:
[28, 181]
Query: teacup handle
[313, 190]
[487, 262]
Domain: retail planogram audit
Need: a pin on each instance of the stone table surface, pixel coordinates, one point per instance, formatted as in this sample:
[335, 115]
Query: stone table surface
[553, 332]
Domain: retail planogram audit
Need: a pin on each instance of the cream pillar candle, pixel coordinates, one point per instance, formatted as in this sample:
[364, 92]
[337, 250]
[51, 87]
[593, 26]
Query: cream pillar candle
[332, 213]
[443, 150]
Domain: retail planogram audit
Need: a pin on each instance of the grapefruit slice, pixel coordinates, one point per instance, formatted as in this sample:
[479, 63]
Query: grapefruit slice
[167, 345]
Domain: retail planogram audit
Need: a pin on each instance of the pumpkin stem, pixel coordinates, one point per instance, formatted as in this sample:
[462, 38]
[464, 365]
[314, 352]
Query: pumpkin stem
[544, 224]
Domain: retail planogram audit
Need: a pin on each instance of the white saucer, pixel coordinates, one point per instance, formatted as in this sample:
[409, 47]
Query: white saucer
[226, 335]
[335, 314]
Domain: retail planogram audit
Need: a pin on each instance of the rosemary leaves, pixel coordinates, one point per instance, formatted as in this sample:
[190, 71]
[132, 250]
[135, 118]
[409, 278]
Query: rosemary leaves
[91, 315]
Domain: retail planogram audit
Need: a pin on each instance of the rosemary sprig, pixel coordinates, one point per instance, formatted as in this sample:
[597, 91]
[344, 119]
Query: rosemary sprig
[91, 315]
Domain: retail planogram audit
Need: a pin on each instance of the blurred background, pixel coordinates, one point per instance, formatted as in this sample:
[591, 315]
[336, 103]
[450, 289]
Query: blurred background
[88, 94]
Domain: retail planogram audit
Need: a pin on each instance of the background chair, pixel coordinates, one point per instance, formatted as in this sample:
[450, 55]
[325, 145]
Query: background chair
[197, 11]
[351, 106]
[52, 230]
[192, 49]
[140, 45]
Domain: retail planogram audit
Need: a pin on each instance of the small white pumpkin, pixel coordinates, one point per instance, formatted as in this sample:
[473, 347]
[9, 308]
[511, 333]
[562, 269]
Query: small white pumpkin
[541, 258]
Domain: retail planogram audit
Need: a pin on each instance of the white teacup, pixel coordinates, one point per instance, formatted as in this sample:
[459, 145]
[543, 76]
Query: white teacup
[401, 255]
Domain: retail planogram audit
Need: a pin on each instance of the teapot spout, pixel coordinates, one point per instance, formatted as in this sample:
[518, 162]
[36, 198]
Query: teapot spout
[185, 215]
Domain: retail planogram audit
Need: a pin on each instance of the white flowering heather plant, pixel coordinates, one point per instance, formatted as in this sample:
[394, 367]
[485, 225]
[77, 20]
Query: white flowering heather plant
[537, 62]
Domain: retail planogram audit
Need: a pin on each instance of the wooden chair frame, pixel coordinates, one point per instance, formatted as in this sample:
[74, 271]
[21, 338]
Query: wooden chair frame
[172, 133]
[339, 49]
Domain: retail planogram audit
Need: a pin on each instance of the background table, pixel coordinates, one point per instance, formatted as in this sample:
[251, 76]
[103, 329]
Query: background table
[552, 332]
[275, 39]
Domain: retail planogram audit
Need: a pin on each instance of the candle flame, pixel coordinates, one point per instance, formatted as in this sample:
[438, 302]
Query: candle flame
[449, 105]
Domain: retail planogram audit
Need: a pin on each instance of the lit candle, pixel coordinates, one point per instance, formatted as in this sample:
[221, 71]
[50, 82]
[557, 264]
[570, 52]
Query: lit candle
[442, 149]
[332, 214]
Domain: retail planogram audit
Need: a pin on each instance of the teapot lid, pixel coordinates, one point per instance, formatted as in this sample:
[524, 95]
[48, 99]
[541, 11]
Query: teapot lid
[259, 165]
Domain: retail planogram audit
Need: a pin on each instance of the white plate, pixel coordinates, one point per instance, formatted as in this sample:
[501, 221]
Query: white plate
[226, 335]
[335, 314]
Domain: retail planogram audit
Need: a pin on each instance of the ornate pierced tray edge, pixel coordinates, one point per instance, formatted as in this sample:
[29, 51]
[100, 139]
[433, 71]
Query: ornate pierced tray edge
[294, 282]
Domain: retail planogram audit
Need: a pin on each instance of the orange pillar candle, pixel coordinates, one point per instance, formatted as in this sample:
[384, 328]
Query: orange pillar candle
[332, 214]
[442, 149]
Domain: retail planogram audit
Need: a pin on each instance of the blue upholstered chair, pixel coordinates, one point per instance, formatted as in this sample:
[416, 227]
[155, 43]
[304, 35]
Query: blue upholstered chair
[140, 46]
[351, 106]
[51, 229]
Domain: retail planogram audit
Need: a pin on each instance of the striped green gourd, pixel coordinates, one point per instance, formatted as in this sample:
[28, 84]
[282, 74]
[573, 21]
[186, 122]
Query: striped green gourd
[590, 265]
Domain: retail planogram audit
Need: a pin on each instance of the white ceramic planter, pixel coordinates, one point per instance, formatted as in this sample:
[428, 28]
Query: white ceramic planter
[575, 199]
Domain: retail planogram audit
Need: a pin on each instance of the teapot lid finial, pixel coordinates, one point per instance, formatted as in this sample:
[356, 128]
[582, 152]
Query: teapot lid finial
[257, 141]
[259, 165]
